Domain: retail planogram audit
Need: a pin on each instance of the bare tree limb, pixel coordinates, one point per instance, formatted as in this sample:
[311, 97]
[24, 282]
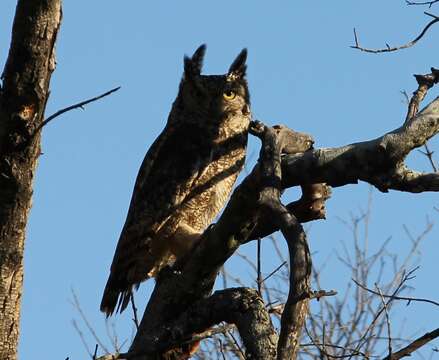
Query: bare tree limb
[429, 3]
[386, 312]
[76, 304]
[429, 154]
[395, 297]
[240, 306]
[134, 308]
[415, 345]
[296, 307]
[388, 48]
[211, 332]
[79, 105]
[425, 82]
[379, 162]
[363, 339]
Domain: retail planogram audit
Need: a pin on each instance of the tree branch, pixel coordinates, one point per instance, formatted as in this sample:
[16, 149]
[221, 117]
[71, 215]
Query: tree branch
[406, 298]
[396, 48]
[240, 306]
[79, 105]
[425, 82]
[296, 307]
[379, 162]
[429, 3]
[413, 346]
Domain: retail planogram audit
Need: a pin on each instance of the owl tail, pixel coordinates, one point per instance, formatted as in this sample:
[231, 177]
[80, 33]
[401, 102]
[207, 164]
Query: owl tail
[115, 298]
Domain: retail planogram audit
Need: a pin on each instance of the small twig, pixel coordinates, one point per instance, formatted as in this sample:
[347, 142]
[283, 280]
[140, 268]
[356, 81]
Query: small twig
[315, 344]
[406, 97]
[396, 48]
[95, 354]
[409, 299]
[429, 154]
[429, 3]
[274, 271]
[389, 335]
[405, 278]
[210, 333]
[76, 304]
[224, 276]
[321, 293]
[356, 38]
[241, 352]
[72, 107]
[133, 305]
[221, 349]
[354, 352]
[81, 337]
[259, 276]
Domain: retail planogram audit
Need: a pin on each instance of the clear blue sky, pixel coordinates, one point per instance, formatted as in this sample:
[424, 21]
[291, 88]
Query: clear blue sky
[301, 72]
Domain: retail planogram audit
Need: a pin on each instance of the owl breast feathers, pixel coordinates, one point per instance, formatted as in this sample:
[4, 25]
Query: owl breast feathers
[185, 178]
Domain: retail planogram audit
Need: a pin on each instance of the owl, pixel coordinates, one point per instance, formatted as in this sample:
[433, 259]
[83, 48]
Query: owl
[185, 178]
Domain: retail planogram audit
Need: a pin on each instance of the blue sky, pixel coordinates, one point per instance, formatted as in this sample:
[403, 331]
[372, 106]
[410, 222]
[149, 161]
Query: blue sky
[301, 73]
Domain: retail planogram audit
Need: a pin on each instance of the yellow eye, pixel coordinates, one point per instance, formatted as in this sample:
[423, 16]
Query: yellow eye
[229, 95]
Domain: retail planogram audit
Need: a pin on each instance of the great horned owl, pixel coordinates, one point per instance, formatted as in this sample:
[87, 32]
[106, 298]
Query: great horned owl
[185, 178]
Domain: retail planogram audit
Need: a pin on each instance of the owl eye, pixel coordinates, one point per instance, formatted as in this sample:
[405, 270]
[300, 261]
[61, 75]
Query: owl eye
[229, 95]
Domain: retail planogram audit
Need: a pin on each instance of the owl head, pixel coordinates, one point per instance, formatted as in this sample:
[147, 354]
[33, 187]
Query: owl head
[221, 95]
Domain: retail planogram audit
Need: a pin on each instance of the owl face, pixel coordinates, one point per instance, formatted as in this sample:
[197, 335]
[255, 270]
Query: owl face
[215, 97]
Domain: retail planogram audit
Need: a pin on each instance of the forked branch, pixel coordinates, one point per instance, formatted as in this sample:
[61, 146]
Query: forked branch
[429, 3]
[389, 48]
[379, 162]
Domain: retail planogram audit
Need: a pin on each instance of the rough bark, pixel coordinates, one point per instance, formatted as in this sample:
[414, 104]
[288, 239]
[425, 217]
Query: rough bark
[240, 306]
[379, 162]
[23, 97]
[296, 307]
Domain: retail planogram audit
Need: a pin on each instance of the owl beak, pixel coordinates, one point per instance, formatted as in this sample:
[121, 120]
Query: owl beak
[246, 110]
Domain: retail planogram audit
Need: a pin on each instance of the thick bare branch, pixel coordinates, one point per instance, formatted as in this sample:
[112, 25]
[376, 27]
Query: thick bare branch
[379, 162]
[296, 307]
[240, 306]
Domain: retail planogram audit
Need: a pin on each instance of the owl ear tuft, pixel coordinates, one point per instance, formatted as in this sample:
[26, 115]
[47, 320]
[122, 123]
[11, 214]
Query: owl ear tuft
[193, 65]
[238, 67]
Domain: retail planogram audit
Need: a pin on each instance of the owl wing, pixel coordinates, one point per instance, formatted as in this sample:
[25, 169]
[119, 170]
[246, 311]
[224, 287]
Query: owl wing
[165, 178]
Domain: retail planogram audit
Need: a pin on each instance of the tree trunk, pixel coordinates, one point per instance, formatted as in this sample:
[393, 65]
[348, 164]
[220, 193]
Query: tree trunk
[23, 97]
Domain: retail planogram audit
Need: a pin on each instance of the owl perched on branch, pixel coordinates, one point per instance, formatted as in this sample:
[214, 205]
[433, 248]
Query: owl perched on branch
[185, 178]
